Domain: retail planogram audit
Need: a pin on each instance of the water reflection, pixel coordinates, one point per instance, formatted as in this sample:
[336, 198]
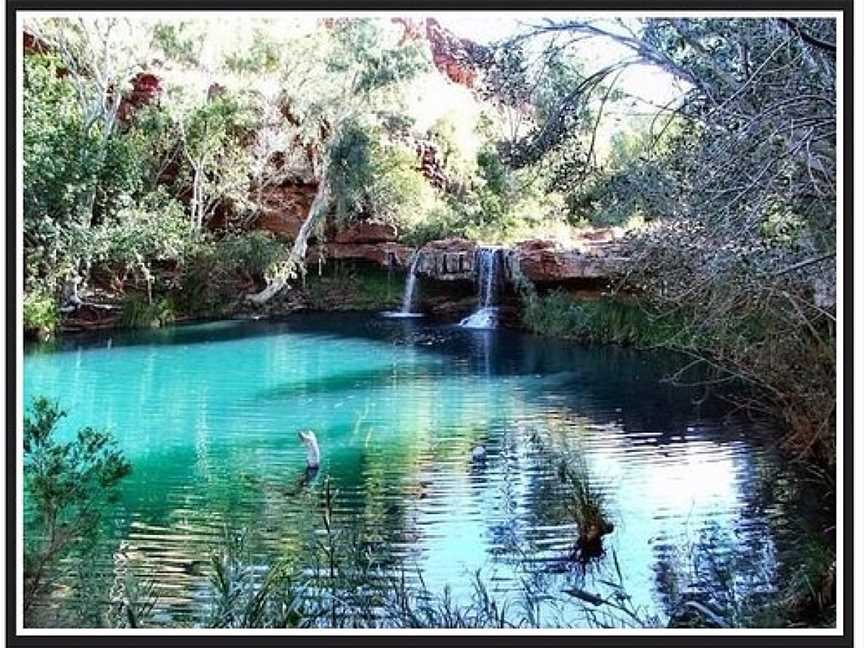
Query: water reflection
[208, 416]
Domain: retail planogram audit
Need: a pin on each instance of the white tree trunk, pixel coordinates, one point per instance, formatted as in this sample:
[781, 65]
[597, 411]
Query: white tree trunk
[298, 251]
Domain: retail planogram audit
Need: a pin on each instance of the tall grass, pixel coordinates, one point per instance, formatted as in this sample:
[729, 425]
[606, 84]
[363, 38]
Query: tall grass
[603, 320]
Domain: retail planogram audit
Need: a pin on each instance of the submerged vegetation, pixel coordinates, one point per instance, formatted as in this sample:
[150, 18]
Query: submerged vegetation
[171, 174]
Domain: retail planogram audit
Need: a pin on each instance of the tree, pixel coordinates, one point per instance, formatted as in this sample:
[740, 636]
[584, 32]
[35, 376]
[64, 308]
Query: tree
[98, 57]
[66, 484]
[341, 76]
[742, 170]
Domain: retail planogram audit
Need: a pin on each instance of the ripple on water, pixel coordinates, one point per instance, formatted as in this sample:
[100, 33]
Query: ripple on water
[208, 416]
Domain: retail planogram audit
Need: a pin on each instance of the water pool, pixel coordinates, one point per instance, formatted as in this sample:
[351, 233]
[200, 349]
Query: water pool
[208, 414]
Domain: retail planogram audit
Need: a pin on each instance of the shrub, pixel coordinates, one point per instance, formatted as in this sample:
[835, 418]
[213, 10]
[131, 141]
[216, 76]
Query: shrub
[41, 314]
[137, 312]
[216, 271]
[371, 176]
[66, 485]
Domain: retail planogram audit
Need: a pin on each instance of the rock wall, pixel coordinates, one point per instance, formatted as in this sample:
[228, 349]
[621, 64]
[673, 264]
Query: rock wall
[447, 260]
[543, 262]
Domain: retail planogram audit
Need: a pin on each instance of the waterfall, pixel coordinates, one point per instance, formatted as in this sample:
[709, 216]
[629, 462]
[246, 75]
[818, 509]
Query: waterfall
[410, 286]
[487, 270]
[410, 293]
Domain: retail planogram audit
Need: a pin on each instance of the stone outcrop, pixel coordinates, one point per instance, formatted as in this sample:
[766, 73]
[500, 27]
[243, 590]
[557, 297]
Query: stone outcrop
[447, 260]
[461, 60]
[542, 262]
[284, 209]
[146, 89]
[595, 256]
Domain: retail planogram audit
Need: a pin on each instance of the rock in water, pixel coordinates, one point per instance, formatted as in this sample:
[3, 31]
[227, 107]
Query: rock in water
[313, 453]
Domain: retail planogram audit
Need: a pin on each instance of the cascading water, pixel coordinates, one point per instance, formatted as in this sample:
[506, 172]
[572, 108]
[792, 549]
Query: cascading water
[487, 269]
[410, 293]
[410, 286]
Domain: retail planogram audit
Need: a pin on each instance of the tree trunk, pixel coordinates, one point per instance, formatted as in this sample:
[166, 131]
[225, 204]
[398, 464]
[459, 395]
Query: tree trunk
[298, 251]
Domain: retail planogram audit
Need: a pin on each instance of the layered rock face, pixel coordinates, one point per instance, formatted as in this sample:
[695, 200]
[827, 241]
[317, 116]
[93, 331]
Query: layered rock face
[459, 58]
[283, 209]
[370, 231]
[542, 262]
[447, 260]
[595, 256]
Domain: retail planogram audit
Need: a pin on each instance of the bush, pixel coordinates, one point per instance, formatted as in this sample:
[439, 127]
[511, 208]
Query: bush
[216, 272]
[137, 312]
[370, 176]
[66, 485]
[41, 314]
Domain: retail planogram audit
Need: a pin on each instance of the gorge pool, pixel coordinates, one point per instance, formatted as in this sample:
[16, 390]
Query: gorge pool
[208, 416]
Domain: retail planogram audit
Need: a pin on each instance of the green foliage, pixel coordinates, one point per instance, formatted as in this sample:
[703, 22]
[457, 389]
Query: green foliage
[56, 175]
[449, 135]
[212, 136]
[441, 221]
[178, 42]
[41, 315]
[154, 231]
[369, 176]
[65, 487]
[347, 286]
[211, 278]
[75, 178]
[359, 47]
[262, 56]
[245, 599]
[137, 312]
[603, 320]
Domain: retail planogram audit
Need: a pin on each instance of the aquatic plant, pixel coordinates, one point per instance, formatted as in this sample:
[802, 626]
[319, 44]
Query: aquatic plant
[603, 320]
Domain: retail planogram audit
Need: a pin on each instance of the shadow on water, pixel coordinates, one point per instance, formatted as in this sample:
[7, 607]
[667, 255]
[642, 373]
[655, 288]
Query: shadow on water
[346, 381]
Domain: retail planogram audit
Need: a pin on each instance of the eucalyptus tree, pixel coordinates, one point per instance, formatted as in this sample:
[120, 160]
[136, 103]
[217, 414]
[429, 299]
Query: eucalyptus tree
[97, 58]
[341, 74]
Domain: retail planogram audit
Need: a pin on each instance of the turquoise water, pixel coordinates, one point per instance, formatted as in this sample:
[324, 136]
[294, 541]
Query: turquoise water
[208, 415]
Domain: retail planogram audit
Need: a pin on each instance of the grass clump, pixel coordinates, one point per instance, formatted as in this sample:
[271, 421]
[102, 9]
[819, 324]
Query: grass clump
[603, 320]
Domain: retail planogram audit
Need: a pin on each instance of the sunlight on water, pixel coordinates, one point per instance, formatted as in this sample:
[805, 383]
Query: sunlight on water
[208, 415]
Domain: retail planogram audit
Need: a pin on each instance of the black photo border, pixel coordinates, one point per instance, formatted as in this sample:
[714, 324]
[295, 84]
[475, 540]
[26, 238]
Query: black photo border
[130, 639]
